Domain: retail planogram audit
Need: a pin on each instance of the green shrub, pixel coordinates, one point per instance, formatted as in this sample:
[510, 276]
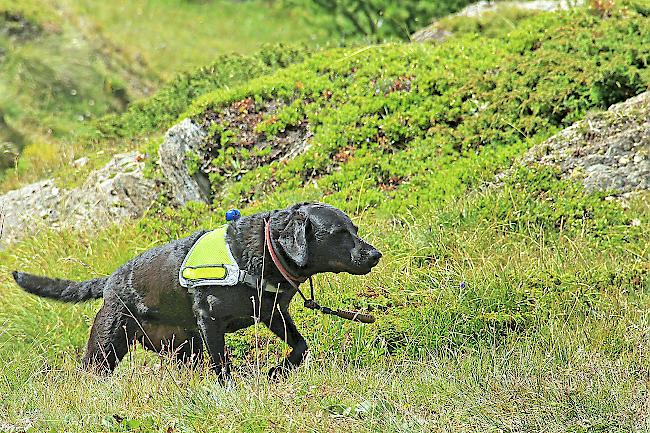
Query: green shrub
[538, 199]
[617, 84]
[385, 117]
[168, 103]
[376, 19]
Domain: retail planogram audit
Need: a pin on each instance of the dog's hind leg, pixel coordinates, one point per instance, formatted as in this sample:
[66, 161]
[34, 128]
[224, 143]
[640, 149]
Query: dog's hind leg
[186, 348]
[113, 330]
[283, 326]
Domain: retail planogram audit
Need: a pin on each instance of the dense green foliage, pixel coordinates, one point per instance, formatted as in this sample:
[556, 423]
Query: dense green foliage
[520, 306]
[376, 19]
[391, 113]
[159, 111]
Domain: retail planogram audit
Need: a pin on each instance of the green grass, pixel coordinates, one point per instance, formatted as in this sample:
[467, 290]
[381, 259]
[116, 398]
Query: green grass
[513, 307]
[528, 343]
[178, 35]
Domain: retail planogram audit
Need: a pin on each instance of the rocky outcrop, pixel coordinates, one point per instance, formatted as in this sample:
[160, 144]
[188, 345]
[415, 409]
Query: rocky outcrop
[116, 192]
[23, 210]
[482, 7]
[607, 151]
[181, 142]
[188, 152]
[120, 191]
[437, 32]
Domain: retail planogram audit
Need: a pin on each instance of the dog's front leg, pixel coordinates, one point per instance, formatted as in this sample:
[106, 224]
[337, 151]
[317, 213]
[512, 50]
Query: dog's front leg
[282, 325]
[215, 340]
[213, 335]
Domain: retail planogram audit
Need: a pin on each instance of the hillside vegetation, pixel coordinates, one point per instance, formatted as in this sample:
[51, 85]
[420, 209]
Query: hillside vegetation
[518, 306]
[64, 64]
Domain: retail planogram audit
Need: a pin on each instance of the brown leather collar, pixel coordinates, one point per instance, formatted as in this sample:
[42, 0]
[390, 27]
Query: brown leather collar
[293, 280]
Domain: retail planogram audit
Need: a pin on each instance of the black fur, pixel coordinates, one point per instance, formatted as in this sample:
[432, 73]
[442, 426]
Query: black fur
[64, 290]
[143, 300]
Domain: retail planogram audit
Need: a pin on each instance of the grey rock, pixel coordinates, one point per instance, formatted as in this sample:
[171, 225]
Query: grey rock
[607, 150]
[435, 32]
[482, 7]
[81, 162]
[109, 195]
[116, 192]
[28, 209]
[180, 141]
[431, 33]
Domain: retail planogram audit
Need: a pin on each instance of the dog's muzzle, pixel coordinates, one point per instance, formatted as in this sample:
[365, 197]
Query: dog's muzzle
[373, 257]
[364, 260]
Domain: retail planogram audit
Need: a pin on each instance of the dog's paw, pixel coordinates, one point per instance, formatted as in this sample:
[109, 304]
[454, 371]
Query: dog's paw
[224, 377]
[226, 381]
[276, 373]
[280, 371]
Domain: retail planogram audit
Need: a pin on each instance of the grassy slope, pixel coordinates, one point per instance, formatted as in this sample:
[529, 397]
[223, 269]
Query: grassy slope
[201, 29]
[65, 64]
[548, 331]
[54, 75]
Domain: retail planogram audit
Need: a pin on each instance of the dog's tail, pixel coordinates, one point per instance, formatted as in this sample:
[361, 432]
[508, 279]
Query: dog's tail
[63, 290]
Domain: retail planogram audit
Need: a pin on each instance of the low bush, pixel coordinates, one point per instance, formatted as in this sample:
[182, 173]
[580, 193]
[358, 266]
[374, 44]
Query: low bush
[158, 112]
[375, 19]
[384, 117]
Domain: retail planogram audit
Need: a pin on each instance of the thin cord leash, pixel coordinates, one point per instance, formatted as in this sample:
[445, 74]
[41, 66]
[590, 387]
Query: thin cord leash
[311, 303]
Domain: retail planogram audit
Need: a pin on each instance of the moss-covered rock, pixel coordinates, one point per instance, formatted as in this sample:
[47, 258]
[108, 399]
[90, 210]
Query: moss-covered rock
[608, 151]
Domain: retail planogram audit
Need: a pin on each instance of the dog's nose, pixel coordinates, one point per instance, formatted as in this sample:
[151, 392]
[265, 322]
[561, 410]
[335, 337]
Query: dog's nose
[374, 256]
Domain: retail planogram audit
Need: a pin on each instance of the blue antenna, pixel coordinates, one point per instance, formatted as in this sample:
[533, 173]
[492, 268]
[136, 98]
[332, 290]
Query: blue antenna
[233, 215]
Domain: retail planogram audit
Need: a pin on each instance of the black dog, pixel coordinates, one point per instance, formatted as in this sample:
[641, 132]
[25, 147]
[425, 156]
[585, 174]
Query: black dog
[144, 301]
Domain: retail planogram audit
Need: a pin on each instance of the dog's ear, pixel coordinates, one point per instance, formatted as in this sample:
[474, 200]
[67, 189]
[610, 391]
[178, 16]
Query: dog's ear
[293, 238]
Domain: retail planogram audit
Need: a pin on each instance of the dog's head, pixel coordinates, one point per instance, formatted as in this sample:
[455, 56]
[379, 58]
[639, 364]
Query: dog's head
[320, 238]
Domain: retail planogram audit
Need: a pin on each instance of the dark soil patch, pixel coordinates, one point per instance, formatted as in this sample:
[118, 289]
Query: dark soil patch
[390, 183]
[234, 145]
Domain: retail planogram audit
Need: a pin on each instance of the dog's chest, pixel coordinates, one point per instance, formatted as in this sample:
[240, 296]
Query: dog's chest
[231, 308]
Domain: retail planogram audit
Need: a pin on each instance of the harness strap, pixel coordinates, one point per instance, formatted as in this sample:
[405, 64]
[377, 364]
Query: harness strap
[255, 282]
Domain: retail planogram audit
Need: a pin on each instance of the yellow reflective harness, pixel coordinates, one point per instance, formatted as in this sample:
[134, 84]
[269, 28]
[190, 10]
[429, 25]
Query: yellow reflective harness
[210, 263]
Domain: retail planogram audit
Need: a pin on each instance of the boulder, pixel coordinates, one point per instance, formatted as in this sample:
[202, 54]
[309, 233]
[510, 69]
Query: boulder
[24, 210]
[478, 9]
[109, 195]
[180, 142]
[607, 151]
[116, 192]
[436, 32]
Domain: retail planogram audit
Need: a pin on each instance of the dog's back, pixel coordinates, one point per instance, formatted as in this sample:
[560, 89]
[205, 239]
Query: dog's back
[79, 291]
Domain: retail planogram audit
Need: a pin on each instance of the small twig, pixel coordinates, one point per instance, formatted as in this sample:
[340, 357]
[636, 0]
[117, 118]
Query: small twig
[355, 53]
[84, 264]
